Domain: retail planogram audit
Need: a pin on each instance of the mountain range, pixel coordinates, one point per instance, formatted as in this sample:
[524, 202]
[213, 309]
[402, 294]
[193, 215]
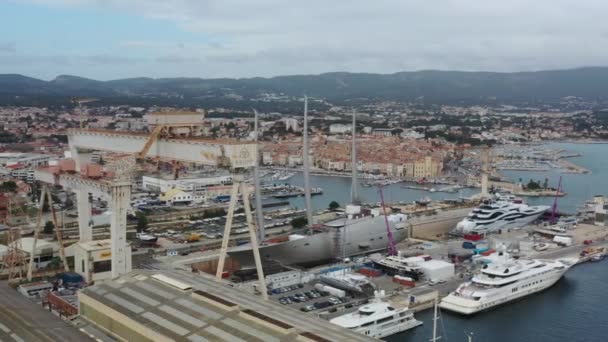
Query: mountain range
[337, 87]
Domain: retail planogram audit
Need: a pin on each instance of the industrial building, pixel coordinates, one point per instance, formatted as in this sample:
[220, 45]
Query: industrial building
[23, 320]
[93, 259]
[44, 253]
[172, 305]
[164, 184]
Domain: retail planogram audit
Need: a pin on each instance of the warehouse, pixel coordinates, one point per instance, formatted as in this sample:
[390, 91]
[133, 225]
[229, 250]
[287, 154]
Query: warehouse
[436, 270]
[179, 306]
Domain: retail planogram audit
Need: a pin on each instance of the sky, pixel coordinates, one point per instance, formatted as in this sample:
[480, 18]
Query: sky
[112, 39]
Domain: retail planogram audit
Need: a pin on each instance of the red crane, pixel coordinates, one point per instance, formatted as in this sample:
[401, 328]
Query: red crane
[557, 193]
[391, 249]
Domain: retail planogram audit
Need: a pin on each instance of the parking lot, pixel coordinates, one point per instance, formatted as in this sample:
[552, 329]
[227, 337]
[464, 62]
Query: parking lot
[305, 297]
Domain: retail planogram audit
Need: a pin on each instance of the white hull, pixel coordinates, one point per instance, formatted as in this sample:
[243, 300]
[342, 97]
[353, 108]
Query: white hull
[389, 329]
[378, 319]
[467, 306]
[503, 221]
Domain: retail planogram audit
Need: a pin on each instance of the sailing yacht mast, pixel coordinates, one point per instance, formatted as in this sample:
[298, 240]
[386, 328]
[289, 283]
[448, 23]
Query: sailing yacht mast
[306, 162]
[354, 194]
[256, 178]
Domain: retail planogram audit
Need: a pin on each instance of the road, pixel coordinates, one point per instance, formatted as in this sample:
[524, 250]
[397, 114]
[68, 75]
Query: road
[24, 320]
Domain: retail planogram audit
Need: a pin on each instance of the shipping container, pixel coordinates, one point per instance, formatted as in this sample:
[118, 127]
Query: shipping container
[488, 252]
[563, 240]
[92, 171]
[473, 237]
[468, 245]
[480, 250]
[67, 165]
[405, 281]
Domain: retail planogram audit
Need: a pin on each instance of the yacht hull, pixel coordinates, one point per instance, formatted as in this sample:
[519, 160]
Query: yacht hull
[465, 306]
[356, 238]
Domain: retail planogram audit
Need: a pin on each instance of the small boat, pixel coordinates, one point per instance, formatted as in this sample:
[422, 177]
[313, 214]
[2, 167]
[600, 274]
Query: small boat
[597, 257]
[424, 201]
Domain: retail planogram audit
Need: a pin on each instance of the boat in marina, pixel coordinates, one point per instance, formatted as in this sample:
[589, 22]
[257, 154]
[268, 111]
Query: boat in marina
[399, 265]
[504, 280]
[501, 212]
[378, 319]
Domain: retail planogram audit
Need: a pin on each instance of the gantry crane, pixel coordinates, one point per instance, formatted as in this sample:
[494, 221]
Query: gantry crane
[167, 142]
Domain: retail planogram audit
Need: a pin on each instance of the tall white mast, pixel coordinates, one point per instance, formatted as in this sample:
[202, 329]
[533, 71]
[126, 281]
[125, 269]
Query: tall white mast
[306, 165]
[354, 194]
[435, 338]
[256, 177]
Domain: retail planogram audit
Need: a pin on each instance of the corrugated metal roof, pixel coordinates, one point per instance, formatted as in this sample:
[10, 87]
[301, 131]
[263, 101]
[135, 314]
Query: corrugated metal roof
[190, 316]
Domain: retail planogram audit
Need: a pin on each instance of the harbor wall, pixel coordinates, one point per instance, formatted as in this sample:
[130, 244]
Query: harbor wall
[434, 228]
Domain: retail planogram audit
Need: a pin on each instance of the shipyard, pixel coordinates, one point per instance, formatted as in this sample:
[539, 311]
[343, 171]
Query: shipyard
[271, 171]
[167, 251]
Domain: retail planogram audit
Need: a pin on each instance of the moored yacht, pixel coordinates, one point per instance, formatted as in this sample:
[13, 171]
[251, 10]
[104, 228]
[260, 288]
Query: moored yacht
[378, 319]
[504, 280]
[499, 213]
[398, 265]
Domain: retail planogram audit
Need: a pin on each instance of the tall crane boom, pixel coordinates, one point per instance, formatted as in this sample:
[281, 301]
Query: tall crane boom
[392, 248]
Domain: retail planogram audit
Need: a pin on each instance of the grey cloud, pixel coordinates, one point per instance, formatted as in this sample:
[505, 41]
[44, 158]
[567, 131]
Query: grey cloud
[8, 47]
[177, 59]
[271, 37]
[106, 59]
[66, 60]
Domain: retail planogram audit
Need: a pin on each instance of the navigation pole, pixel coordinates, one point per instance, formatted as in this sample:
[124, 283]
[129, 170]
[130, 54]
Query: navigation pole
[306, 163]
[259, 215]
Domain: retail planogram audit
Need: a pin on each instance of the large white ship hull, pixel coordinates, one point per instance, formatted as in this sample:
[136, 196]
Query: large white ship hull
[465, 228]
[357, 238]
[507, 294]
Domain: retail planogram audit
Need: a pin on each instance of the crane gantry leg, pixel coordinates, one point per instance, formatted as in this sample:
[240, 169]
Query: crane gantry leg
[239, 184]
[46, 194]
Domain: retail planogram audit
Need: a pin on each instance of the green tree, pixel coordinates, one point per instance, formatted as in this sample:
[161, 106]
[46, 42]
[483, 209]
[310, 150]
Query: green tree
[142, 221]
[8, 186]
[299, 222]
[532, 185]
[333, 205]
[48, 227]
[546, 183]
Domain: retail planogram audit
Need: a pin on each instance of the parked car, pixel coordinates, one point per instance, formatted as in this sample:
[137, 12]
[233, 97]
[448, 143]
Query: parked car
[321, 305]
[307, 308]
[334, 300]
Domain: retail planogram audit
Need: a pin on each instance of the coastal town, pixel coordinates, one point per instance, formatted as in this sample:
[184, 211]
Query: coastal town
[59, 207]
[270, 171]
